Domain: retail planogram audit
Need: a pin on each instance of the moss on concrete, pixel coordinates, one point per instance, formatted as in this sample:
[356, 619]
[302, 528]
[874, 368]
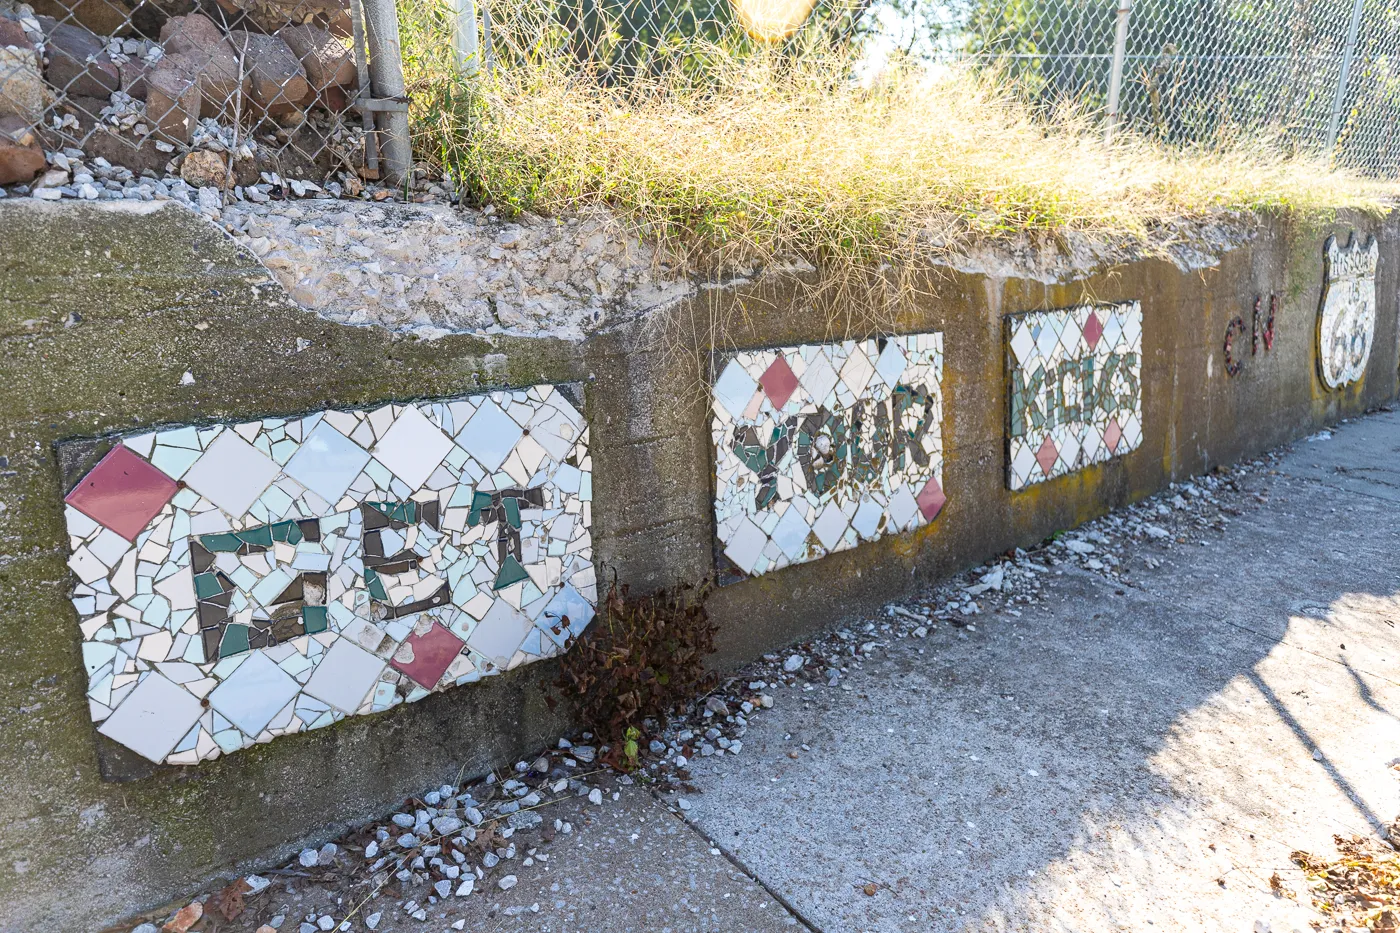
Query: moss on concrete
[102, 311]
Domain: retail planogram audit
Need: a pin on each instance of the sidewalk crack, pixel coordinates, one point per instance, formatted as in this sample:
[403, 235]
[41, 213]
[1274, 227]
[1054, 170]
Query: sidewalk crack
[737, 863]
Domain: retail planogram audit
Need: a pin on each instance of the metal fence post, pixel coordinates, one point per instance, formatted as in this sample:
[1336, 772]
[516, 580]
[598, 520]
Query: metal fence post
[464, 39]
[486, 26]
[1334, 125]
[1115, 75]
[386, 79]
[357, 19]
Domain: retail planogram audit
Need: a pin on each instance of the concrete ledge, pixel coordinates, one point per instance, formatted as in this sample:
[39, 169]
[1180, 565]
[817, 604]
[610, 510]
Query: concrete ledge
[103, 312]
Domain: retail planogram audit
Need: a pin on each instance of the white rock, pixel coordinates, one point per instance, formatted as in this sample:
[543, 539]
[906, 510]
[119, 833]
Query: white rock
[53, 178]
[308, 858]
[794, 663]
[508, 882]
[466, 886]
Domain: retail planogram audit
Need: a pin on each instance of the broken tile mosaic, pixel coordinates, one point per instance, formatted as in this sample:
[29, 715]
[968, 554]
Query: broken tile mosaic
[1075, 389]
[822, 446]
[1347, 322]
[241, 582]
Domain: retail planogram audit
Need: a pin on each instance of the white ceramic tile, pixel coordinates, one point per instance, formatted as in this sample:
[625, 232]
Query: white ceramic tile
[490, 435]
[231, 473]
[344, 676]
[254, 694]
[327, 462]
[153, 717]
[413, 447]
[735, 387]
[499, 633]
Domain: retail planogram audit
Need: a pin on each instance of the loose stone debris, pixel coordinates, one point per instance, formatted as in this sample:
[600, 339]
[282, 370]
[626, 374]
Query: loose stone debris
[427, 267]
[481, 838]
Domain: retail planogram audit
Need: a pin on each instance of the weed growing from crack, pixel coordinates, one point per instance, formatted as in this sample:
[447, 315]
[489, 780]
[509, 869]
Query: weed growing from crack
[642, 658]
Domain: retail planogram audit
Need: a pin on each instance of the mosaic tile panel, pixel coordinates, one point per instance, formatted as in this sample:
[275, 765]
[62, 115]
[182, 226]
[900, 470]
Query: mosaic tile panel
[241, 582]
[1075, 395]
[1347, 320]
[820, 447]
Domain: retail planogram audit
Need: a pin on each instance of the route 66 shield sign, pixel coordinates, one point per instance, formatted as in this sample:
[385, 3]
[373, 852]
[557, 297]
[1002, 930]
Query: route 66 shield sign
[1347, 320]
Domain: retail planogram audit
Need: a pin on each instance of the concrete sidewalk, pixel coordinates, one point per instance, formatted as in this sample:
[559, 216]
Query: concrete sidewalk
[1105, 761]
[1139, 746]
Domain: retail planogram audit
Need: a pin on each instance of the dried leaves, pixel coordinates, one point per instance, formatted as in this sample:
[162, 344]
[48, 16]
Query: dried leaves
[229, 901]
[640, 659]
[1360, 888]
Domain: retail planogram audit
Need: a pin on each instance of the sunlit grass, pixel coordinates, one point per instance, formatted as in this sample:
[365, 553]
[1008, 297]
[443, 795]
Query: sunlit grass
[767, 155]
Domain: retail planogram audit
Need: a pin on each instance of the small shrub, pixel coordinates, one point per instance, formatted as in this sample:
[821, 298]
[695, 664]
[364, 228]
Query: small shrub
[642, 658]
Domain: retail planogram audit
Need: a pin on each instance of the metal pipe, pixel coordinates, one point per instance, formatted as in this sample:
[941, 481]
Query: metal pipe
[486, 25]
[357, 21]
[1115, 75]
[464, 39]
[1334, 125]
[386, 77]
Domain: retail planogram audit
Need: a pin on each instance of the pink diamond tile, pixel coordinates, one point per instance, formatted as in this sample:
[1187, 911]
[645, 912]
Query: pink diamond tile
[428, 655]
[779, 381]
[931, 499]
[123, 492]
[1093, 330]
[1112, 435]
[1047, 455]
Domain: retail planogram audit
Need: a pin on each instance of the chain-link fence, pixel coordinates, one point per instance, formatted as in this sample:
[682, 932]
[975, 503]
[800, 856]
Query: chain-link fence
[1320, 76]
[224, 92]
[615, 41]
[277, 86]
[1323, 73]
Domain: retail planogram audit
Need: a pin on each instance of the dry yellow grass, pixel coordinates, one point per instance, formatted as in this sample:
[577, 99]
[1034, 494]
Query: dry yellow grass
[770, 157]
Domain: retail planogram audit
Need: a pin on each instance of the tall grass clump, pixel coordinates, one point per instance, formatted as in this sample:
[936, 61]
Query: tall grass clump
[723, 152]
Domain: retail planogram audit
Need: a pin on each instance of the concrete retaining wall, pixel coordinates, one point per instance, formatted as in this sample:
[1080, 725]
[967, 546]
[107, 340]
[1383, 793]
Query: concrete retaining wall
[102, 312]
